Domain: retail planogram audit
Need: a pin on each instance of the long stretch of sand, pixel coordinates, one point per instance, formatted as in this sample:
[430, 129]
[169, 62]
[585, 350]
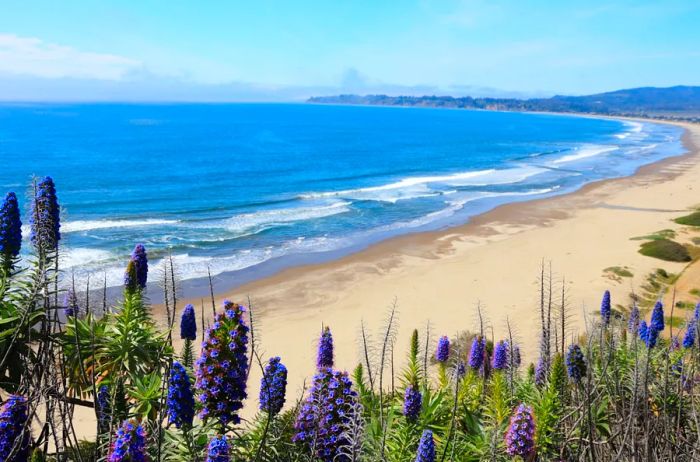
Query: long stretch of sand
[494, 260]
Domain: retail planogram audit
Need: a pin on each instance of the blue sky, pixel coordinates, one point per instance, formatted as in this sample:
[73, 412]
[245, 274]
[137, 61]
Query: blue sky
[286, 50]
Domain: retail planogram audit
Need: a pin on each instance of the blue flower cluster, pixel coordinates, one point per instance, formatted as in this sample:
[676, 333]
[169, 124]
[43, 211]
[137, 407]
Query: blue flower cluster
[651, 337]
[14, 431]
[188, 324]
[500, 355]
[324, 357]
[222, 367]
[605, 308]
[412, 403]
[643, 331]
[103, 407]
[426, 447]
[180, 401]
[70, 304]
[129, 444]
[520, 437]
[10, 230]
[442, 354]
[690, 333]
[218, 449]
[45, 219]
[575, 363]
[476, 354]
[273, 387]
[323, 417]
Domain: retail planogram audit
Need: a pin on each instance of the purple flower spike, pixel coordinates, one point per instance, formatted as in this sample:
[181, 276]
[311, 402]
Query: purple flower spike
[324, 358]
[14, 431]
[643, 331]
[633, 324]
[500, 355]
[657, 317]
[442, 354]
[222, 367]
[517, 359]
[476, 354]
[412, 403]
[325, 414]
[575, 363]
[10, 231]
[605, 308]
[70, 306]
[45, 219]
[541, 372]
[188, 324]
[180, 400]
[426, 447]
[520, 437]
[140, 259]
[273, 387]
[690, 333]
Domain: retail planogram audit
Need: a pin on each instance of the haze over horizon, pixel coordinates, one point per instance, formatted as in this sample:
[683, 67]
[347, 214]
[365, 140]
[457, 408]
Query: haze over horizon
[126, 51]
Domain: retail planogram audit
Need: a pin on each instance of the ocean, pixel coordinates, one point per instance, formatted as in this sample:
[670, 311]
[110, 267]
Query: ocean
[247, 189]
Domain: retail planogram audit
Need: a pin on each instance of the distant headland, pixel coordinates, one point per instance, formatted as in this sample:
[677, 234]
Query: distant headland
[672, 103]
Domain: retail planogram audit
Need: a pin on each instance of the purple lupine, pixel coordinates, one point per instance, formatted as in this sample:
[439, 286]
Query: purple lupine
[476, 354]
[575, 363]
[605, 308]
[426, 447]
[675, 343]
[70, 305]
[657, 317]
[273, 387]
[442, 354]
[188, 324]
[180, 401]
[520, 437]
[500, 355]
[324, 358]
[412, 403]
[140, 259]
[10, 231]
[14, 429]
[218, 449]
[45, 219]
[633, 323]
[690, 333]
[129, 444]
[643, 331]
[222, 367]
[541, 372]
[325, 414]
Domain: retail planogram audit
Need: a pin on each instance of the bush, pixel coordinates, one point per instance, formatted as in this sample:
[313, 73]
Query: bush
[665, 249]
[689, 220]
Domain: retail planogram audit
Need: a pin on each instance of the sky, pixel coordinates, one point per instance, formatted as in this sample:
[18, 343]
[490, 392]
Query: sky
[230, 50]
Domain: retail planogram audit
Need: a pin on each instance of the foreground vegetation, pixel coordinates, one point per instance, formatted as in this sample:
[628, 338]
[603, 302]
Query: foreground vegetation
[624, 390]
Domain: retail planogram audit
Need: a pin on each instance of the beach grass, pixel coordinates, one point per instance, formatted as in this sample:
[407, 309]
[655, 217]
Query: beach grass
[689, 220]
[619, 271]
[657, 236]
[665, 249]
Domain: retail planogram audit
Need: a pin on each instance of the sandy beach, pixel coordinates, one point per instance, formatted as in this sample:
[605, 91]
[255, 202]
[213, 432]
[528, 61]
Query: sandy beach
[493, 261]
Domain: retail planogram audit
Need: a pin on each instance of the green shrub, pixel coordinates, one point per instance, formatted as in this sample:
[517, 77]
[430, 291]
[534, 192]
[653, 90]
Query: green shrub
[665, 249]
[689, 220]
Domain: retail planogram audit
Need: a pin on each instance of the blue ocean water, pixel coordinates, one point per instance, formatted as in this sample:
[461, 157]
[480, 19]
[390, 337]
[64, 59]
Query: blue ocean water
[233, 186]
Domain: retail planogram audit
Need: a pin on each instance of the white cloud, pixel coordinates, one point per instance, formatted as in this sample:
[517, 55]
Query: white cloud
[35, 57]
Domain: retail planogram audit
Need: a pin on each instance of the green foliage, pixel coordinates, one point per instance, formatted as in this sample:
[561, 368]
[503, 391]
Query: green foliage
[663, 234]
[689, 220]
[665, 249]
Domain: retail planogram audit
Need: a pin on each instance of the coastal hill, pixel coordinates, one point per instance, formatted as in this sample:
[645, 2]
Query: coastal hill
[678, 103]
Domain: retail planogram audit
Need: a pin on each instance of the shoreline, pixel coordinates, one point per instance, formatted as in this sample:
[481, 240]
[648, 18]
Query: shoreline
[492, 261]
